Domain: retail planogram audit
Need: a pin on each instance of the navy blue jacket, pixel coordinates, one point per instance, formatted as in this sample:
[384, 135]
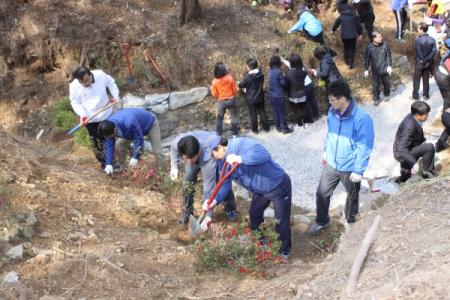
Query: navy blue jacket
[257, 173]
[277, 83]
[131, 124]
[328, 70]
[350, 25]
[253, 83]
[426, 49]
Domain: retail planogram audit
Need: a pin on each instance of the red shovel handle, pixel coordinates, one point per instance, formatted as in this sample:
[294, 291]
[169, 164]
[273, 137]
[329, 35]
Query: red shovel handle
[223, 176]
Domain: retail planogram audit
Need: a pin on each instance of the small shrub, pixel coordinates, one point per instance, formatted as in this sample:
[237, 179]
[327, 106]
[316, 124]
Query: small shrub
[82, 137]
[238, 249]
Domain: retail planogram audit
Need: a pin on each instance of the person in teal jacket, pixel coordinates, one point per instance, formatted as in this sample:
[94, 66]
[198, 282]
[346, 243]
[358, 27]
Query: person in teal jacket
[308, 24]
[348, 145]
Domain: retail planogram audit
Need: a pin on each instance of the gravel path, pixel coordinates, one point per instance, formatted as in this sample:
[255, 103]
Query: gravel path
[300, 152]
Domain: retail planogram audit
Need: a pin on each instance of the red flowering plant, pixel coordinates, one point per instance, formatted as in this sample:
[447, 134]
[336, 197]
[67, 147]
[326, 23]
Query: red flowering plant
[141, 175]
[238, 249]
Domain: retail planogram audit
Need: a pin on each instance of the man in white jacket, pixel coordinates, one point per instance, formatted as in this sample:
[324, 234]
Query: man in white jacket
[88, 94]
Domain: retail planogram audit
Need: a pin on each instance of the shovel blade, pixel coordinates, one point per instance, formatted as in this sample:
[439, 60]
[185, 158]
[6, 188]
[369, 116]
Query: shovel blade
[197, 227]
[193, 226]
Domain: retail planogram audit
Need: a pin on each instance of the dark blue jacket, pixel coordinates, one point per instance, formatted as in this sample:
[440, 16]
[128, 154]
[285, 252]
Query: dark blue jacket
[257, 173]
[426, 49]
[350, 24]
[328, 70]
[277, 83]
[253, 83]
[131, 124]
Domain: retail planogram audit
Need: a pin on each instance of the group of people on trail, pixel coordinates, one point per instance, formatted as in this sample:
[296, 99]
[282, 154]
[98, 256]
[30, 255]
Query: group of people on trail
[348, 144]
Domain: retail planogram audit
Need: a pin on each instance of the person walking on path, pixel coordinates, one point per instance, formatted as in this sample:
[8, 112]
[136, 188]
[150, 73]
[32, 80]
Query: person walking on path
[253, 86]
[88, 93]
[378, 56]
[366, 15]
[348, 146]
[224, 88]
[399, 9]
[130, 125]
[409, 144]
[425, 51]
[259, 174]
[277, 86]
[350, 30]
[195, 149]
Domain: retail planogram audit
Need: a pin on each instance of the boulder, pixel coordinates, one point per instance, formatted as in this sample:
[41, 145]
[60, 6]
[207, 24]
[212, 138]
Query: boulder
[155, 99]
[301, 219]
[15, 252]
[180, 99]
[160, 108]
[11, 278]
[132, 101]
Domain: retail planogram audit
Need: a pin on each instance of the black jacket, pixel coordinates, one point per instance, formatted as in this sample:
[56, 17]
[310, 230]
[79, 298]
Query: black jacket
[350, 24]
[253, 83]
[409, 135]
[364, 8]
[378, 57]
[328, 70]
[295, 79]
[425, 48]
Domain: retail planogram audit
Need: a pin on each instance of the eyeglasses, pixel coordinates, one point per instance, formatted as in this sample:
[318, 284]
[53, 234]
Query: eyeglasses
[332, 99]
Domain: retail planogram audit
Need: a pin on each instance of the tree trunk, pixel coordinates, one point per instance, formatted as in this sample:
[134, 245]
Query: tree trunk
[188, 10]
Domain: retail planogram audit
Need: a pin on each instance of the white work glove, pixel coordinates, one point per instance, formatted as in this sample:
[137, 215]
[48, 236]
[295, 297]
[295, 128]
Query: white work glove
[356, 1]
[206, 207]
[410, 5]
[415, 169]
[174, 174]
[355, 177]
[109, 169]
[389, 70]
[204, 225]
[366, 73]
[233, 158]
[324, 158]
[133, 163]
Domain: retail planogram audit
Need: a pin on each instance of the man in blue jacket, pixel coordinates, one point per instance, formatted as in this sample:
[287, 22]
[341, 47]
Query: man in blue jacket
[348, 145]
[259, 174]
[195, 149]
[130, 125]
[309, 24]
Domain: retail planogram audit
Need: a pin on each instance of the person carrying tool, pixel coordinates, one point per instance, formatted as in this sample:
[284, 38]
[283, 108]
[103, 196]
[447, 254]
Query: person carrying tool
[258, 173]
[195, 149]
[88, 94]
[378, 56]
[409, 144]
[130, 125]
[348, 145]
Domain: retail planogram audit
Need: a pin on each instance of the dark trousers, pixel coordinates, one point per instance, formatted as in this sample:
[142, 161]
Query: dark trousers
[311, 99]
[255, 110]
[189, 183]
[281, 198]
[349, 51]
[376, 81]
[426, 151]
[368, 23]
[400, 19]
[443, 82]
[279, 113]
[328, 182]
[445, 118]
[318, 38]
[222, 106]
[302, 112]
[421, 71]
[97, 142]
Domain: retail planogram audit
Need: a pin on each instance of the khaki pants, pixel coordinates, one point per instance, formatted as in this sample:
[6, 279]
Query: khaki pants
[153, 135]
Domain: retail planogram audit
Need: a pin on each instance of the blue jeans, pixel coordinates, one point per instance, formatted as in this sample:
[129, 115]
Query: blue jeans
[222, 106]
[282, 199]
[328, 181]
[279, 113]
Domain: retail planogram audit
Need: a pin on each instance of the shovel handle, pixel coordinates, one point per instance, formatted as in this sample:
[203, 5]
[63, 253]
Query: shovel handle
[76, 128]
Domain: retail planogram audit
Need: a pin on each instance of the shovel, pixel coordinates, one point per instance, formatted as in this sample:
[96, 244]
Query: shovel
[130, 81]
[76, 128]
[195, 226]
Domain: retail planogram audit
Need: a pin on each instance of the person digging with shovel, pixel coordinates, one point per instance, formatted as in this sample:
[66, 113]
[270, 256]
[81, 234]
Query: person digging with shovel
[255, 170]
[88, 95]
[130, 124]
[195, 148]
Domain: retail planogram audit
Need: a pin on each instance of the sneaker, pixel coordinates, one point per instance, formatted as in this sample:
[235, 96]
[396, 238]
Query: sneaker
[412, 98]
[315, 229]
[376, 102]
[279, 129]
[232, 216]
[288, 130]
[425, 98]
[387, 98]
[429, 174]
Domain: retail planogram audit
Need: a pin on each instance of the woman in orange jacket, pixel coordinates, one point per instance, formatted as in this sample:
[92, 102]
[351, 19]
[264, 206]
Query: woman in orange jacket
[224, 88]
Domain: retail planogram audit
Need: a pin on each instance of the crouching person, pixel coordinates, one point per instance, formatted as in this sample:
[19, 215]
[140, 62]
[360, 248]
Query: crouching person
[410, 144]
[195, 149]
[259, 174]
[130, 125]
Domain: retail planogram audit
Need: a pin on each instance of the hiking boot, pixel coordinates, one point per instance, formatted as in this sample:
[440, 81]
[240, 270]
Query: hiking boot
[376, 102]
[279, 129]
[412, 98]
[288, 130]
[439, 147]
[232, 216]
[185, 217]
[387, 98]
[429, 174]
[315, 229]
[425, 98]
